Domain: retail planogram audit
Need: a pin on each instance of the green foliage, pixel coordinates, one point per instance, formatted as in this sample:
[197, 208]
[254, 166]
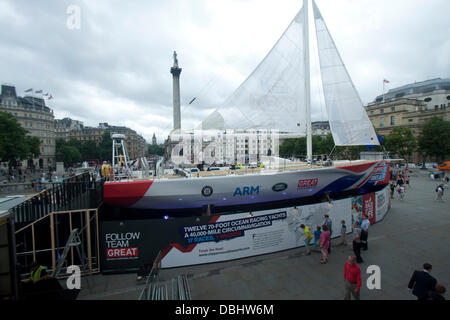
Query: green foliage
[434, 139]
[70, 155]
[105, 147]
[156, 149]
[401, 141]
[15, 145]
[74, 151]
[297, 147]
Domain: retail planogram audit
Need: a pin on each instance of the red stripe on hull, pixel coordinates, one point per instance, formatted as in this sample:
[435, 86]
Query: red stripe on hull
[357, 168]
[125, 193]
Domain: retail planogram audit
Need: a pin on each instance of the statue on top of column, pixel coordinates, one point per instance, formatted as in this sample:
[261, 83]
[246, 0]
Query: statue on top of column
[175, 60]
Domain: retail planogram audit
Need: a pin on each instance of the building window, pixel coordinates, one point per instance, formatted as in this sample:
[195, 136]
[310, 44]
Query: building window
[393, 109]
[427, 99]
[381, 110]
[381, 122]
[371, 112]
[411, 120]
[392, 121]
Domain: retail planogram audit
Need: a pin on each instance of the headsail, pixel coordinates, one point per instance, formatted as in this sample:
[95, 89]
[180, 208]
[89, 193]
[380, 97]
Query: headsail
[272, 96]
[348, 119]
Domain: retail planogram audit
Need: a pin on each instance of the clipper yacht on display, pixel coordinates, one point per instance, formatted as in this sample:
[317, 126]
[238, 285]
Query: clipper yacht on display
[276, 96]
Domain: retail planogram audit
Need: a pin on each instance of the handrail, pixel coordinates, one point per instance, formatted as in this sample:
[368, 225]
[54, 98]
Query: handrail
[151, 277]
[50, 213]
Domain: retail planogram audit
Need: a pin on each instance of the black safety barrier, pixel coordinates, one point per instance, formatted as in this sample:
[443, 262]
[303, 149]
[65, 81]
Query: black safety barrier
[74, 193]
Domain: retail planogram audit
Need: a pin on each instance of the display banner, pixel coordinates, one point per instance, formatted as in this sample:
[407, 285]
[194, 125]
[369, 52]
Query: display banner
[235, 236]
[383, 200]
[368, 207]
[129, 245]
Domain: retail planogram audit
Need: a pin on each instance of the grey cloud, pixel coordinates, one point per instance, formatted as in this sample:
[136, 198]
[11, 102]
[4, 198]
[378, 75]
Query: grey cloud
[123, 52]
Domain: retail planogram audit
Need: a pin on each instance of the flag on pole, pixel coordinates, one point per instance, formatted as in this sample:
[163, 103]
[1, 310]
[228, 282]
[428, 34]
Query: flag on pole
[39, 91]
[385, 81]
[29, 90]
[51, 97]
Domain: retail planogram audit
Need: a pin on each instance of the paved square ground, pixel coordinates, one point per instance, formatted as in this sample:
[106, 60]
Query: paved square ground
[416, 230]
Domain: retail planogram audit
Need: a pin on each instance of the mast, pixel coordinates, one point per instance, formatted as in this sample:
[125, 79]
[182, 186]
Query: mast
[307, 82]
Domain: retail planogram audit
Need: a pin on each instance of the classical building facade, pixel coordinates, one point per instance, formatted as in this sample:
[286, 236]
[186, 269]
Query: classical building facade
[73, 129]
[321, 128]
[34, 116]
[411, 106]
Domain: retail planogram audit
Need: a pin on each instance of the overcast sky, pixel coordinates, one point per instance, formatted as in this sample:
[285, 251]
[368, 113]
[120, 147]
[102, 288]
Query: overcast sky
[116, 67]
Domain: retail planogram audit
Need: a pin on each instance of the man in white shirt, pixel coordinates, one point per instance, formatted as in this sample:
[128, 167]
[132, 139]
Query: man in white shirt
[365, 224]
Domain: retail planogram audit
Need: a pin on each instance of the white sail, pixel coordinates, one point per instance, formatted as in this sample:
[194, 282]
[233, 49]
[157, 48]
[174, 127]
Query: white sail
[272, 97]
[348, 119]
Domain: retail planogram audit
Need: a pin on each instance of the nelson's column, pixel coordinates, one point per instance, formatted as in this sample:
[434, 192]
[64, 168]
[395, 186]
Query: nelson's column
[176, 71]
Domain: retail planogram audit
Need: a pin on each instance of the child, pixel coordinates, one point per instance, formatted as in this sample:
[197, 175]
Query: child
[343, 233]
[308, 238]
[317, 234]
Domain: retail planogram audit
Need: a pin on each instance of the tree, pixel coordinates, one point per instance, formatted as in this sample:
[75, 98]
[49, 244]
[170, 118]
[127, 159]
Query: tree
[89, 150]
[434, 138]
[156, 149]
[66, 152]
[105, 147]
[15, 145]
[70, 155]
[401, 141]
[287, 148]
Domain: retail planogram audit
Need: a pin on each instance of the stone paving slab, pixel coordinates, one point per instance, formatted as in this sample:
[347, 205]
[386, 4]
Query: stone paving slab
[416, 230]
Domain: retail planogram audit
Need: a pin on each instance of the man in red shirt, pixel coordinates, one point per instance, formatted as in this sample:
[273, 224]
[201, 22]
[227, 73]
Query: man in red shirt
[352, 278]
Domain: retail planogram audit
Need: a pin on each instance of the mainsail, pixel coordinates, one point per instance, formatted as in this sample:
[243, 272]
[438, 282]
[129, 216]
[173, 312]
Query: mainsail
[348, 119]
[273, 96]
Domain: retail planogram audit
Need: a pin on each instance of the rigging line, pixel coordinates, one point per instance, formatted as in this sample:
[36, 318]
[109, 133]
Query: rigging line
[200, 93]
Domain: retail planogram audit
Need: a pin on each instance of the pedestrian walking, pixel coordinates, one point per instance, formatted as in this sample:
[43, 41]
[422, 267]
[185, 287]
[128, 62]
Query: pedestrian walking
[352, 279]
[440, 192]
[422, 283]
[392, 185]
[407, 178]
[327, 222]
[308, 237]
[365, 224]
[357, 242]
[343, 233]
[324, 243]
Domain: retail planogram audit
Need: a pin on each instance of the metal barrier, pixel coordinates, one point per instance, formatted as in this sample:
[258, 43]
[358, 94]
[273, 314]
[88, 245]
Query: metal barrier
[184, 291]
[154, 290]
[148, 291]
[78, 192]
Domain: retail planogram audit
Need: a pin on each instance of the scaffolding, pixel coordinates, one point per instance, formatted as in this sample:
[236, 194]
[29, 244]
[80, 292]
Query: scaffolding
[52, 239]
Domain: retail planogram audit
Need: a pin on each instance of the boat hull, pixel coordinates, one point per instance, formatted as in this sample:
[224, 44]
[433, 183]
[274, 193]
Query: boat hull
[236, 190]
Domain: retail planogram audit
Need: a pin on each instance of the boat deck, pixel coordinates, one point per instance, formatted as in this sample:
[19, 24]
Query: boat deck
[265, 170]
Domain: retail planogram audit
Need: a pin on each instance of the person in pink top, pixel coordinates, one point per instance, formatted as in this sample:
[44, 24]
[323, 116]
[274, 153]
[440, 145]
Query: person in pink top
[324, 243]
